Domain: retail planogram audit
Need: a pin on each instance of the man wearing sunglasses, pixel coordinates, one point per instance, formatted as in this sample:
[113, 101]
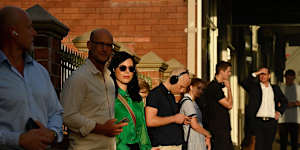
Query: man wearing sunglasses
[88, 98]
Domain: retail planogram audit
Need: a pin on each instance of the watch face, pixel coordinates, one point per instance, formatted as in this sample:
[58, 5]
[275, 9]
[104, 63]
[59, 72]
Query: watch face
[55, 135]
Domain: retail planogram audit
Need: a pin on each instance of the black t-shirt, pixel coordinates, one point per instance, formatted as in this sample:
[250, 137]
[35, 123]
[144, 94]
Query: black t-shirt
[164, 101]
[217, 116]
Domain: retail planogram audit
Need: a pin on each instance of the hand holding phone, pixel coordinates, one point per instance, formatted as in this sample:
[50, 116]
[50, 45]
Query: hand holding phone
[31, 124]
[123, 120]
[189, 119]
[192, 115]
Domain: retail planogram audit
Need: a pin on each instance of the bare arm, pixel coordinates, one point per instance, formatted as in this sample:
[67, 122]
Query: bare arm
[152, 120]
[250, 81]
[197, 127]
[227, 101]
[281, 99]
[293, 104]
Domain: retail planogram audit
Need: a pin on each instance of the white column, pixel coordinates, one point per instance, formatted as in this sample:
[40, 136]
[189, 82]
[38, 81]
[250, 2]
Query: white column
[234, 114]
[213, 51]
[199, 39]
[273, 75]
[241, 114]
[191, 49]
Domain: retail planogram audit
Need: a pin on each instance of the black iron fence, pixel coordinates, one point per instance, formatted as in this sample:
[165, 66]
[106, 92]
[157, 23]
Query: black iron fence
[70, 61]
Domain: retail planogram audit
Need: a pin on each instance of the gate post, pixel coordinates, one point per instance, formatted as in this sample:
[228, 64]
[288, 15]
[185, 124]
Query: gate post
[47, 43]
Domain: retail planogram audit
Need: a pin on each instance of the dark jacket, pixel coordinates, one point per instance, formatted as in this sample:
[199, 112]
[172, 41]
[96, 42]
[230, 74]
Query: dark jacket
[253, 88]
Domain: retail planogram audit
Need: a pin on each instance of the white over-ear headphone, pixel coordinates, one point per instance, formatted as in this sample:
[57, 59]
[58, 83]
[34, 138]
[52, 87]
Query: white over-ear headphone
[15, 33]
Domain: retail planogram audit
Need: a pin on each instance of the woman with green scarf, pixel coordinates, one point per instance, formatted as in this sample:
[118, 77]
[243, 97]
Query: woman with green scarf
[129, 106]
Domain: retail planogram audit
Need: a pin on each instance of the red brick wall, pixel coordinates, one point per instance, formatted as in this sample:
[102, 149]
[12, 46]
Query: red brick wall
[143, 25]
[156, 77]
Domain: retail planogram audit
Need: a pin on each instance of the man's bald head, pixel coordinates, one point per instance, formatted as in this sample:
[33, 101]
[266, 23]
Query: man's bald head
[100, 46]
[100, 32]
[16, 29]
[183, 80]
[182, 74]
[177, 71]
[9, 16]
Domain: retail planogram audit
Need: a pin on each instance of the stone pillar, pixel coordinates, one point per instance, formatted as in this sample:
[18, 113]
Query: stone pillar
[47, 43]
[152, 66]
[154, 71]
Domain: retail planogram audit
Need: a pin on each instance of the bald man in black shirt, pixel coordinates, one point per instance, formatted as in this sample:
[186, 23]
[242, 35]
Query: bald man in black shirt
[162, 113]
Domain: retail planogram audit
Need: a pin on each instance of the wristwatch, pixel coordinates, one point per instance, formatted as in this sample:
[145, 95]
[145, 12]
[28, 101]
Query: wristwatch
[55, 136]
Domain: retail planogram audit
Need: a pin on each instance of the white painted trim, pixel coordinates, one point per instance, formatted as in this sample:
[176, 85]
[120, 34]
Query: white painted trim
[213, 51]
[199, 39]
[191, 52]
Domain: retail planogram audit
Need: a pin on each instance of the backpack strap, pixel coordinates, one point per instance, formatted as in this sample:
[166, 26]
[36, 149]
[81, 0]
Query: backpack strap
[189, 130]
[183, 100]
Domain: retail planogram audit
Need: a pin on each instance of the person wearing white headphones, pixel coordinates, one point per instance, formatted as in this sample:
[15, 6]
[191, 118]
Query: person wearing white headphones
[31, 115]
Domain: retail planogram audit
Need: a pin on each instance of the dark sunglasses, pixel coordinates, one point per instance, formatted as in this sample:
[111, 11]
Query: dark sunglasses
[123, 68]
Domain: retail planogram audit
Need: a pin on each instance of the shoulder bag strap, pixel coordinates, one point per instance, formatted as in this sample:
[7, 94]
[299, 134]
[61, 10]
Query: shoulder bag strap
[124, 102]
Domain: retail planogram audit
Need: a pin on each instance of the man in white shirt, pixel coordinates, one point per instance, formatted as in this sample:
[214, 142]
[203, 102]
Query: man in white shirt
[88, 98]
[289, 122]
[266, 104]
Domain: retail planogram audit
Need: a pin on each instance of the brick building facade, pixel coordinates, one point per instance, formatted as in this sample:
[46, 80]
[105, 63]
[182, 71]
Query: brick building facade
[141, 25]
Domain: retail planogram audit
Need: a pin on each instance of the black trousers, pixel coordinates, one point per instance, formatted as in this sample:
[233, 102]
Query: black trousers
[284, 130]
[265, 134]
[221, 140]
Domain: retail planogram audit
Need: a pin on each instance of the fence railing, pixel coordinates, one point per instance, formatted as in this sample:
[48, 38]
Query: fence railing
[70, 61]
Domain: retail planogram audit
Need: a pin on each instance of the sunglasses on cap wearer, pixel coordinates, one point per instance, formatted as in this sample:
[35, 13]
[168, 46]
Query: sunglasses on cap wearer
[123, 68]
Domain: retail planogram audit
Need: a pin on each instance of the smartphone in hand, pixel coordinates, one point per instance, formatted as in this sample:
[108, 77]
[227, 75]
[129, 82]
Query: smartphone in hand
[30, 124]
[192, 115]
[123, 120]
